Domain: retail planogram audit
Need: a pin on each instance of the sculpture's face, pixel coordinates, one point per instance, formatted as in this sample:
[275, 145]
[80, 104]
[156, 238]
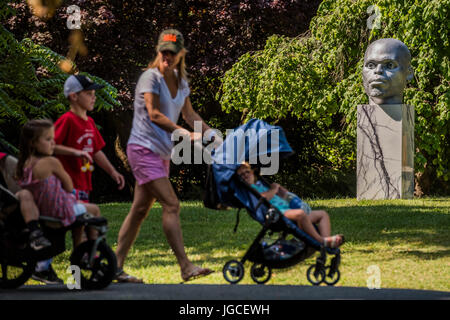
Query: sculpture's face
[385, 73]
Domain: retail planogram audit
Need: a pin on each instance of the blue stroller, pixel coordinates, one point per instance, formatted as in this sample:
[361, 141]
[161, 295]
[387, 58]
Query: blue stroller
[261, 144]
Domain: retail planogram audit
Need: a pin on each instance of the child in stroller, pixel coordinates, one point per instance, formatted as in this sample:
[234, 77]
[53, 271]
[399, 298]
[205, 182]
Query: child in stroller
[293, 208]
[40, 173]
[225, 188]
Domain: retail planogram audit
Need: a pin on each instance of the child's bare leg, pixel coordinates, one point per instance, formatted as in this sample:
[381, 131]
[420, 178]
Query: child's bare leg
[92, 209]
[78, 236]
[322, 220]
[95, 211]
[28, 207]
[30, 213]
[303, 222]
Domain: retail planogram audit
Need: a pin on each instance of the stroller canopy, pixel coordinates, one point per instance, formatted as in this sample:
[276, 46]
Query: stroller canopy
[257, 142]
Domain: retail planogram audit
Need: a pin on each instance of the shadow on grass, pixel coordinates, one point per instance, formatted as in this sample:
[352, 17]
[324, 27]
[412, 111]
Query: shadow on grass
[209, 238]
[422, 226]
[427, 255]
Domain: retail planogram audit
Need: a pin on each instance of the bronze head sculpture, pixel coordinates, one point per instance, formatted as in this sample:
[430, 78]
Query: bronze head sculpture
[387, 69]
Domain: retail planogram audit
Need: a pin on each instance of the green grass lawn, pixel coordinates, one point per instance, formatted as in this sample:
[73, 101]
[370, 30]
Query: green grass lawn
[408, 240]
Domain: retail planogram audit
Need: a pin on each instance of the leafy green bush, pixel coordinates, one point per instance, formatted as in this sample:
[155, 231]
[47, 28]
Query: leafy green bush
[31, 85]
[316, 78]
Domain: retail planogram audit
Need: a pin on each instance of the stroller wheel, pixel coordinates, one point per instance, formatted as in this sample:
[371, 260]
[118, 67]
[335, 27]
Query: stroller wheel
[101, 273]
[260, 273]
[14, 275]
[233, 271]
[314, 275]
[332, 279]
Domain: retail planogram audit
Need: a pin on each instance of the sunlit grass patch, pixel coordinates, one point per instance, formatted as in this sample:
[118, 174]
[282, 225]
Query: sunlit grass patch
[408, 240]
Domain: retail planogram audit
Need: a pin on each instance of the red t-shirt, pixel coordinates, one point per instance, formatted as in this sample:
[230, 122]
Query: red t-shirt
[73, 131]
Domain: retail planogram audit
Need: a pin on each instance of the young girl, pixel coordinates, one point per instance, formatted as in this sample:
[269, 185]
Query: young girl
[45, 177]
[28, 208]
[300, 212]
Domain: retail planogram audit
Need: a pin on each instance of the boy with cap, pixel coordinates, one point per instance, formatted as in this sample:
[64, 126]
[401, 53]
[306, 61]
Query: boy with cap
[78, 141]
[79, 144]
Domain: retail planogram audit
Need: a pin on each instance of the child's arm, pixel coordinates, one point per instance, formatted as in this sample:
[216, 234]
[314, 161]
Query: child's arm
[282, 192]
[103, 162]
[274, 187]
[58, 170]
[68, 151]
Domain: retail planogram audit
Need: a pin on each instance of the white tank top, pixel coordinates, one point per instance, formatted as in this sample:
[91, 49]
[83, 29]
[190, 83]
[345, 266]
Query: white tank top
[146, 133]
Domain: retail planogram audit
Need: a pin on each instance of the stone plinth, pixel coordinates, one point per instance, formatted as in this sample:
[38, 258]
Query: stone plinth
[385, 152]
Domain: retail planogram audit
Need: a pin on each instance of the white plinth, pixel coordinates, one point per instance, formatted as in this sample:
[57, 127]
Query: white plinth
[385, 152]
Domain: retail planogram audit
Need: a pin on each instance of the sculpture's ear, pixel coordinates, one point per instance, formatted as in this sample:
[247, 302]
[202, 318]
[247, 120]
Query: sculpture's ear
[410, 75]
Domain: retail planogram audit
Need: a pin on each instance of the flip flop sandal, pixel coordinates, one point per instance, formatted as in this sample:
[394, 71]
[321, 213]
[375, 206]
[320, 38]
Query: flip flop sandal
[122, 277]
[196, 274]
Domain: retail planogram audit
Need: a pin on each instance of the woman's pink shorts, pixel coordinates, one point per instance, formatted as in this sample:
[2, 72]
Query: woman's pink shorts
[146, 165]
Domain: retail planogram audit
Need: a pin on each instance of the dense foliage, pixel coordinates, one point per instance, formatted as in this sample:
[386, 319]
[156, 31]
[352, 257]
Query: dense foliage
[309, 83]
[316, 78]
[31, 83]
[121, 37]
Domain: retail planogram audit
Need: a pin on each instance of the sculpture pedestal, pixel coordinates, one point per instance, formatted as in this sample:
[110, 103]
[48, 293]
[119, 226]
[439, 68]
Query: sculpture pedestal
[385, 152]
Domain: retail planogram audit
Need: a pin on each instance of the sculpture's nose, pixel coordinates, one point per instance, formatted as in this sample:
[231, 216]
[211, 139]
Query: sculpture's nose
[379, 69]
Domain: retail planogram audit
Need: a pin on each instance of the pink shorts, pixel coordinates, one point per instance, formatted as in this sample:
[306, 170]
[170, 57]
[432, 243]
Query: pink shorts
[146, 165]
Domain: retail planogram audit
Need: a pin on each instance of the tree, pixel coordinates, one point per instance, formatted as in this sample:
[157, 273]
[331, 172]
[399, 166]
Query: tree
[121, 37]
[317, 79]
[31, 85]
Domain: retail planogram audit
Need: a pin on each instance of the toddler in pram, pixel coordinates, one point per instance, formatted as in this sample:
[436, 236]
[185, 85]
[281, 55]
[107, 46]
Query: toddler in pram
[298, 238]
[293, 208]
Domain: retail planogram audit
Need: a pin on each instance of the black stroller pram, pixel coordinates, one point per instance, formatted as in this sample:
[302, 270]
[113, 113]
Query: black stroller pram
[226, 188]
[94, 258]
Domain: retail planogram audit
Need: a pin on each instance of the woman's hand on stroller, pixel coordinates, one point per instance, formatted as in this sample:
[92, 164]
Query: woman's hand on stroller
[212, 136]
[194, 136]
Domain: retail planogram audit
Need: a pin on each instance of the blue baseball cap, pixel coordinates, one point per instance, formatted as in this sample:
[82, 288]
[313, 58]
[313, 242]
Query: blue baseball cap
[77, 83]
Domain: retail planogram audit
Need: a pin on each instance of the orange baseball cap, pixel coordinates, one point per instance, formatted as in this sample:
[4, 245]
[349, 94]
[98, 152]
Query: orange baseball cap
[170, 39]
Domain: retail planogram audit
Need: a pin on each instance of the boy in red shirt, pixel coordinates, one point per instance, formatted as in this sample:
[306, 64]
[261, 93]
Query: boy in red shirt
[78, 145]
[78, 141]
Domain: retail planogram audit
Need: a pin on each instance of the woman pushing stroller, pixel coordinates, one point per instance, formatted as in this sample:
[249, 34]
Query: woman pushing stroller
[161, 96]
[295, 210]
